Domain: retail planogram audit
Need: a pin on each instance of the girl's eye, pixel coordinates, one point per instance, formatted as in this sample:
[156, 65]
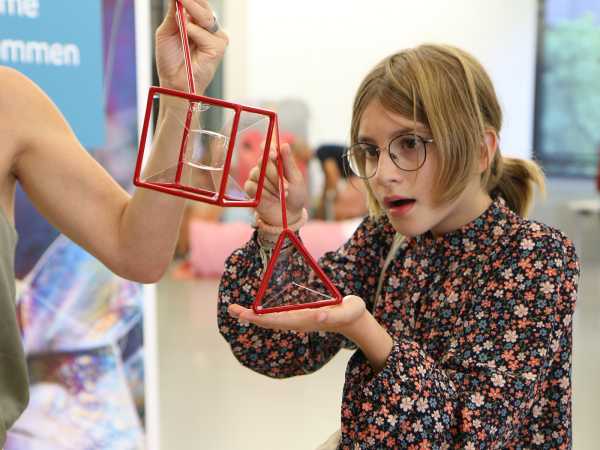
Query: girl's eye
[409, 142]
[371, 152]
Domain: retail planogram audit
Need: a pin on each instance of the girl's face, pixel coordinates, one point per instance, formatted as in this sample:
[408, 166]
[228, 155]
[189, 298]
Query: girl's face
[407, 197]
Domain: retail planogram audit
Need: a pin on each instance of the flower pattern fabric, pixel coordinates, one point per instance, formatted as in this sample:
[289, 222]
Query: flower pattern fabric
[481, 319]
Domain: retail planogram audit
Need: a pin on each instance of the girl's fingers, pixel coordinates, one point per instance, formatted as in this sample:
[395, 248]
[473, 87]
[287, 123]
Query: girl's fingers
[290, 169]
[268, 186]
[291, 320]
[235, 310]
[272, 181]
[271, 173]
[251, 187]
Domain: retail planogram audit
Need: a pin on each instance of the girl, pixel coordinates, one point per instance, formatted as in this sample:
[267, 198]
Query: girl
[40, 151]
[460, 308]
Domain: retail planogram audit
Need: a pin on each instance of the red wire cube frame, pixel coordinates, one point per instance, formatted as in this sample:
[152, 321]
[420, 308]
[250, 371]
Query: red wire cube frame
[176, 187]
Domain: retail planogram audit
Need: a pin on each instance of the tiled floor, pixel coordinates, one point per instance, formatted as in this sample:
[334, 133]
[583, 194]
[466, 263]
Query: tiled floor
[208, 401]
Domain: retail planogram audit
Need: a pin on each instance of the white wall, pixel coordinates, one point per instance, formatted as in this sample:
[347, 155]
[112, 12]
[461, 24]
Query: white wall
[319, 50]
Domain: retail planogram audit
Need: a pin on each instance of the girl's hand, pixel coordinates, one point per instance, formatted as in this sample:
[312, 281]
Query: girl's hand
[342, 318]
[269, 208]
[206, 48]
[350, 318]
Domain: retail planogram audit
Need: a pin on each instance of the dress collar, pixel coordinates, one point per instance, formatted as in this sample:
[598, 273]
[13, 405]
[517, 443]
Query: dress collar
[483, 230]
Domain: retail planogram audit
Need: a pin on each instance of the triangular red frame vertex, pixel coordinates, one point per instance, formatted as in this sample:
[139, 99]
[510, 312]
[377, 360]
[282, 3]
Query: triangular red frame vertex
[257, 304]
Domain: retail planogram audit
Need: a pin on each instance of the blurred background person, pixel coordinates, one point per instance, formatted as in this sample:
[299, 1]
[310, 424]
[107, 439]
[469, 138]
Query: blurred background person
[343, 196]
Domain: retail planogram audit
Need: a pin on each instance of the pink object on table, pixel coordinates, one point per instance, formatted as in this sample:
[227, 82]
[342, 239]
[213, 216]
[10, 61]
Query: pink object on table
[211, 243]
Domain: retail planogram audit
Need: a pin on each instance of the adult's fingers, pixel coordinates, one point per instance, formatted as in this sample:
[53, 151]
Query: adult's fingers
[200, 12]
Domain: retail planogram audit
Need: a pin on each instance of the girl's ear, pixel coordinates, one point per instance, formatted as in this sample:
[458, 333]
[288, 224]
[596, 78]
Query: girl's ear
[488, 149]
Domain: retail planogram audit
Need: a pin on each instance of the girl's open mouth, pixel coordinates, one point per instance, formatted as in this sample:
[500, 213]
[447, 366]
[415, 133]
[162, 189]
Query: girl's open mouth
[398, 205]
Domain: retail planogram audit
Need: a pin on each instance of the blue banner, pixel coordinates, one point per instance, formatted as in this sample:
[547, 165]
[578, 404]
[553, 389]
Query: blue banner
[58, 44]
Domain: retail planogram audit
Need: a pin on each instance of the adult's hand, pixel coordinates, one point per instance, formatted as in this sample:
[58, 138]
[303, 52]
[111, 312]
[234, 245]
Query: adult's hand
[206, 48]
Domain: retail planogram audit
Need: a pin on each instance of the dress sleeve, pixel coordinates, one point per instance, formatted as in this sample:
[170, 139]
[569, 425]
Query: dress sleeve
[353, 269]
[493, 371]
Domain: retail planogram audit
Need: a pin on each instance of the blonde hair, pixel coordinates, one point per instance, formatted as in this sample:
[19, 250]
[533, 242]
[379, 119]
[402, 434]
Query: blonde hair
[448, 90]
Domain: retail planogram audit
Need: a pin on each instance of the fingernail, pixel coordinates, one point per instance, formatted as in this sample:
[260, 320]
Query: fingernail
[321, 317]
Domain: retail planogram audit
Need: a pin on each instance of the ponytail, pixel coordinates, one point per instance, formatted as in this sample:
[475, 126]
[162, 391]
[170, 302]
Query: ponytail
[514, 180]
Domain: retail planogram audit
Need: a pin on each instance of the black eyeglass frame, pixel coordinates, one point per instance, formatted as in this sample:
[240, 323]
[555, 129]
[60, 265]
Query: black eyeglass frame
[348, 165]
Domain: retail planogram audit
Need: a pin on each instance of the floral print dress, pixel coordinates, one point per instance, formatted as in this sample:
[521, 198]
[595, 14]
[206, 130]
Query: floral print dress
[481, 319]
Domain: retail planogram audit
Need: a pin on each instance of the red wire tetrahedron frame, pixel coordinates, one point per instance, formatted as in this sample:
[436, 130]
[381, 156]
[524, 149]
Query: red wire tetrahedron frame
[286, 233]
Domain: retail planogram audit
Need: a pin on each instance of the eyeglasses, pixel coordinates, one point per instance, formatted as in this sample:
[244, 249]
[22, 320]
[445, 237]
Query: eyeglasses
[407, 151]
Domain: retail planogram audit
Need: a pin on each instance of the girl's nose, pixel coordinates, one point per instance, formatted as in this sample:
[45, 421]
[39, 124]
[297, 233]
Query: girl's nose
[387, 171]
